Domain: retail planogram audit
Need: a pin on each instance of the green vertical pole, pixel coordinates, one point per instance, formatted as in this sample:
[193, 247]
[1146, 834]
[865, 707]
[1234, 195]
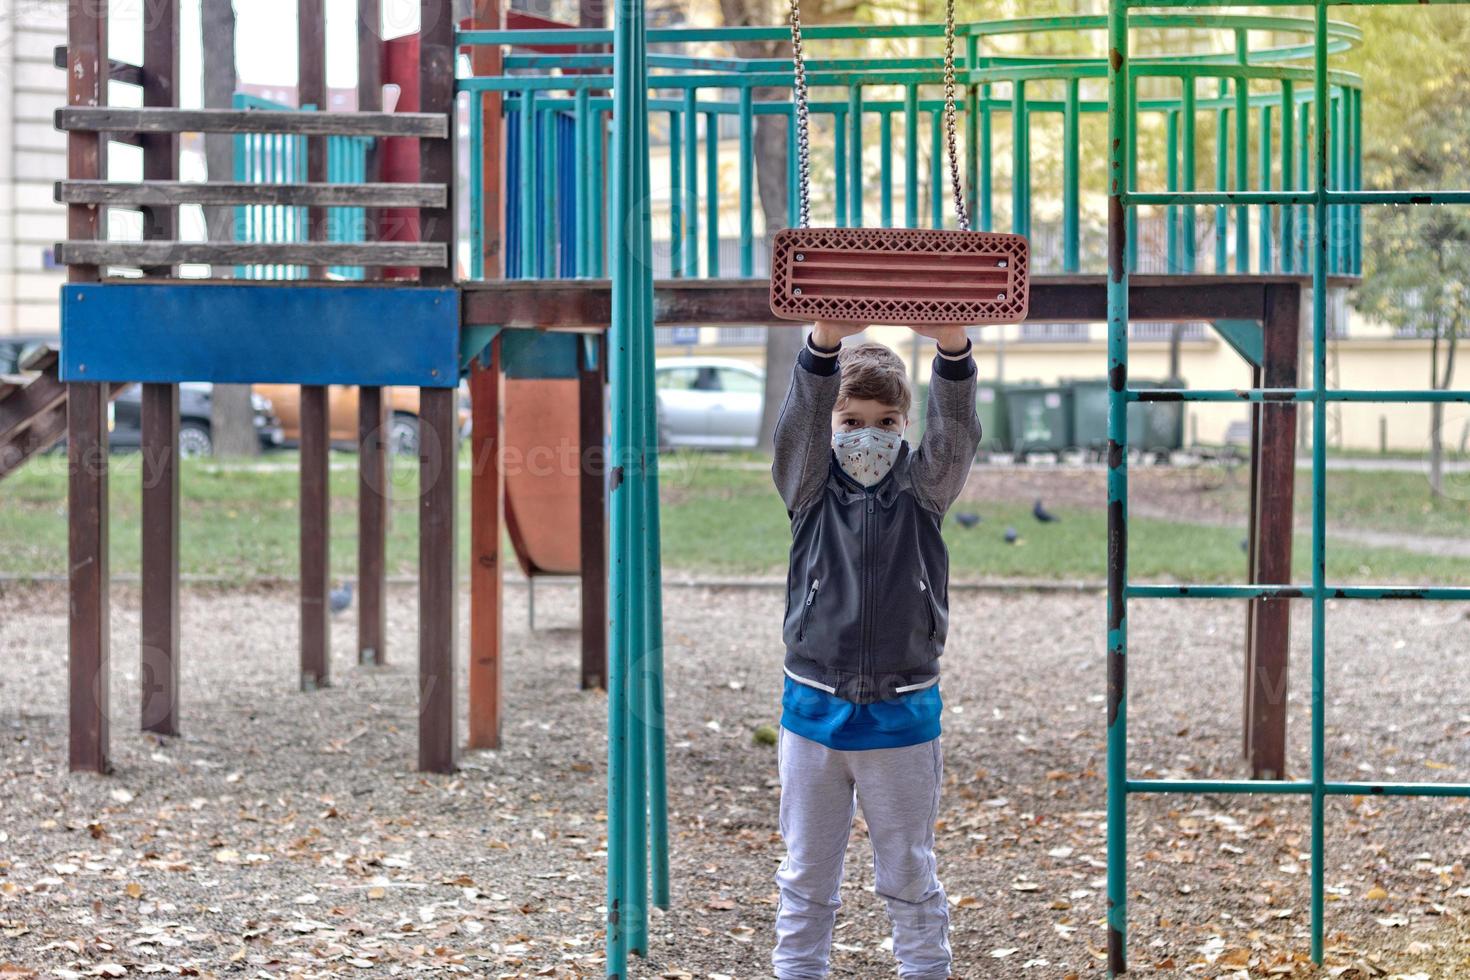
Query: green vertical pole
[676, 195]
[597, 232]
[1222, 180]
[584, 173]
[987, 211]
[1020, 161]
[1340, 181]
[972, 128]
[885, 166]
[839, 167]
[1187, 109]
[691, 183]
[1130, 215]
[1071, 126]
[793, 170]
[1304, 181]
[911, 156]
[936, 169]
[1265, 179]
[747, 182]
[1288, 175]
[1357, 179]
[855, 155]
[527, 231]
[1119, 149]
[712, 192]
[1242, 157]
[1319, 473]
[1171, 182]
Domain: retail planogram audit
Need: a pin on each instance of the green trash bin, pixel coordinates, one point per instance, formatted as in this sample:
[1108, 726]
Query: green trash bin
[995, 427]
[1156, 428]
[1040, 418]
[1090, 413]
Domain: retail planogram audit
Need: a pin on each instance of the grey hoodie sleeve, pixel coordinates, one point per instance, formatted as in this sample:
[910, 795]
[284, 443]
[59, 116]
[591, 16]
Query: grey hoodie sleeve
[803, 437]
[941, 464]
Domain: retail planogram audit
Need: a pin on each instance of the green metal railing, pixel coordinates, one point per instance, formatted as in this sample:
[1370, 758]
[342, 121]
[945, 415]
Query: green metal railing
[1333, 212]
[877, 132]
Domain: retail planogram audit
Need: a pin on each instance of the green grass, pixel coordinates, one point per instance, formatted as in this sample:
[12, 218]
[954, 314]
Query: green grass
[720, 516]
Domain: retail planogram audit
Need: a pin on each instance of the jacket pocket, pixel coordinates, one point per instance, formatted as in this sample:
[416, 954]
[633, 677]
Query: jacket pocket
[806, 611]
[929, 605]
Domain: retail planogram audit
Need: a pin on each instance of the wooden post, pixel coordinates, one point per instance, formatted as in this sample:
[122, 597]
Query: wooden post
[372, 416]
[87, 580]
[488, 61]
[159, 665]
[1269, 640]
[316, 540]
[487, 519]
[592, 428]
[438, 574]
[311, 69]
[438, 415]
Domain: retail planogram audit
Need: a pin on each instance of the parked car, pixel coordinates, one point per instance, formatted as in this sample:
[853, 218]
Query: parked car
[125, 419]
[403, 415]
[708, 402]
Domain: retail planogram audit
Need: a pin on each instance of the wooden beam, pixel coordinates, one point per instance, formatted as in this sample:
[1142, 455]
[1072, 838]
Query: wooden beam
[592, 412]
[159, 663]
[487, 524]
[438, 577]
[172, 193]
[437, 157]
[1269, 642]
[35, 397]
[488, 61]
[109, 119]
[41, 358]
[372, 526]
[117, 71]
[94, 253]
[370, 95]
[311, 89]
[316, 540]
[161, 90]
[88, 632]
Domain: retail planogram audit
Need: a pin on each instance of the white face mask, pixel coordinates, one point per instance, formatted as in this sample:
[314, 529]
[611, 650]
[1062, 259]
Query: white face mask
[868, 454]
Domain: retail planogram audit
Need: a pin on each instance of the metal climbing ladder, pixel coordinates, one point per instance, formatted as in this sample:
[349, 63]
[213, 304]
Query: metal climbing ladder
[1322, 200]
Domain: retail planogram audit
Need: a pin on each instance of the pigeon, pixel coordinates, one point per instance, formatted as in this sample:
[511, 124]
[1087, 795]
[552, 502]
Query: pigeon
[1245, 544]
[1012, 536]
[340, 599]
[1042, 514]
[967, 520]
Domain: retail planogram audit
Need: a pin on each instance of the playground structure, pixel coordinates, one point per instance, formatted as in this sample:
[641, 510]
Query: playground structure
[559, 195]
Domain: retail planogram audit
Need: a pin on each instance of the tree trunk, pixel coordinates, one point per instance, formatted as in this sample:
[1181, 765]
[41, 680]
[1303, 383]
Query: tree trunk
[232, 421]
[1436, 422]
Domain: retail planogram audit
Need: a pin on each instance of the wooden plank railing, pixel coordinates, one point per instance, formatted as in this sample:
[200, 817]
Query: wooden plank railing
[161, 253]
[112, 119]
[157, 193]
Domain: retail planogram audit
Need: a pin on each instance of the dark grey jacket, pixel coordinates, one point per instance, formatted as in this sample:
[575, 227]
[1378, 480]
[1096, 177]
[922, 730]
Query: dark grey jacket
[867, 590]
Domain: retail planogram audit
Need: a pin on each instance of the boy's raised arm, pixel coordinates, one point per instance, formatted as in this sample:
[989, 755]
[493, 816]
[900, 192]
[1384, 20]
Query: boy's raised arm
[951, 429]
[803, 436]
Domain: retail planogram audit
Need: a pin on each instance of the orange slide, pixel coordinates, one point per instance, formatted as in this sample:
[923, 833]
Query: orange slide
[542, 474]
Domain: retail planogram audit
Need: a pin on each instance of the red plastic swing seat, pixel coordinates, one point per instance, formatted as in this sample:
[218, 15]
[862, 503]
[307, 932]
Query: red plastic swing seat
[899, 276]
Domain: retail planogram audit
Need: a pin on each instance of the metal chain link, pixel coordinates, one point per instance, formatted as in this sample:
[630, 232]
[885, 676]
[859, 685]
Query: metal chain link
[803, 144]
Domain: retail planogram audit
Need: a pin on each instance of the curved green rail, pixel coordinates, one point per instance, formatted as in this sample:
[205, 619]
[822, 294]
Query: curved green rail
[878, 151]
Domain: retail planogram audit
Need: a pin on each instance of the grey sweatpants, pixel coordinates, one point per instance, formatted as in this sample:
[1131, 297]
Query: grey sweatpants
[899, 793]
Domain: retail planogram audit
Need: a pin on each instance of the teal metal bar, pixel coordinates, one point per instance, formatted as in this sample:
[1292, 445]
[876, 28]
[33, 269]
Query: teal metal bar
[972, 128]
[690, 118]
[1276, 786]
[546, 268]
[598, 183]
[911, 157]
[712, 193]
[1406, 592]
[1288, 183]
[1242, 157]
[885, 168]
[527, 243]
[1130, 215]
[1071, 234]
[854, 156]
[583, 142]
[1304, 145]
[1383, 396]
[747, 183]
[1319, 486]
[477, 183]
[1020, 161]
[1120, 148]
[1264, 176]
[1187, 111]
[839, 167]
[1171, 181]
[1222, 182]
[936, 169]
[676, 196]
[793, 171]
[987, 210]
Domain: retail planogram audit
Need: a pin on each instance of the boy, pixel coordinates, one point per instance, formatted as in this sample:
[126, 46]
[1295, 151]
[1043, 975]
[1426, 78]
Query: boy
[866, 618]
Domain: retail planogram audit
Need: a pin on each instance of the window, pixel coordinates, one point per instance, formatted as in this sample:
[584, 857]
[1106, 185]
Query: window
[740, 382]
[677, 379]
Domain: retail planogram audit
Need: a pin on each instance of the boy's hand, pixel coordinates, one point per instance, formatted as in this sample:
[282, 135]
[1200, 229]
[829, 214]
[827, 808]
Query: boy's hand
[951, 339]
[829, 333]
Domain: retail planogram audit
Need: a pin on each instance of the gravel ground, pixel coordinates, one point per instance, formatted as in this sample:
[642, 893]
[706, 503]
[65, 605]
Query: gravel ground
[285, 834]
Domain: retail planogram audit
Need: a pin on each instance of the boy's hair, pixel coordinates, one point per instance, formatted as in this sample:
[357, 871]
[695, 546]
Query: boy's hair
[874, 372]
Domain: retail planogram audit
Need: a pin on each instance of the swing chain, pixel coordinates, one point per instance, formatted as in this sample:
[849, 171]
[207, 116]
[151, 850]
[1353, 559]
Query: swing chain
[803, 144]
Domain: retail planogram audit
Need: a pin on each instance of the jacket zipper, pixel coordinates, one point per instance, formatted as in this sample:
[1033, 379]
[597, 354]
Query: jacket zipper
[811, 595]
[864, 653]
[929, 604]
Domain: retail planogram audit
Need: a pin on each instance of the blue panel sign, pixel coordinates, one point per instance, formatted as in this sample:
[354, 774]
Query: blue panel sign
[684, 336]
[260, 333]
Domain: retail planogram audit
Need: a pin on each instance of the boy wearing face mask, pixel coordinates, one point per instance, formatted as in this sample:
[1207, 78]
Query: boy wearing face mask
[866, 619]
